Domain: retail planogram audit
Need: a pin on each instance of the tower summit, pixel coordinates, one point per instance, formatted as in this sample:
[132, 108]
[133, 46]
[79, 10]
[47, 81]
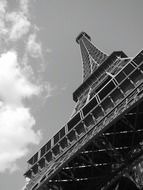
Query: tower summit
[101, 146]
[92, 57]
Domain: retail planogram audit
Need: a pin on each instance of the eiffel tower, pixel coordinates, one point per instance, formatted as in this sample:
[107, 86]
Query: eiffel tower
[101, 146]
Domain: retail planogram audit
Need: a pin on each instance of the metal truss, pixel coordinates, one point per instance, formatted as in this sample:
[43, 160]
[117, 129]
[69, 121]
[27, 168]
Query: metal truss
[109, 161]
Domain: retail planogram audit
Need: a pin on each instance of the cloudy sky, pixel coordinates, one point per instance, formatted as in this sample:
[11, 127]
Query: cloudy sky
[40, 67]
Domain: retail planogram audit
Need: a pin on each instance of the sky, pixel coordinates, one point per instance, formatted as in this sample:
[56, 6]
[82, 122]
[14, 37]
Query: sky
[40, 67]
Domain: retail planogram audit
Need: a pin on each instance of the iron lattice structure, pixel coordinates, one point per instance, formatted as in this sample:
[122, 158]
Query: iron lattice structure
[101, 146]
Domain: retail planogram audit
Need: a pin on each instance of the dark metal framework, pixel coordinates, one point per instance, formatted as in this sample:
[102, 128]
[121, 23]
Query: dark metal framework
[101, 146]
[110, 161]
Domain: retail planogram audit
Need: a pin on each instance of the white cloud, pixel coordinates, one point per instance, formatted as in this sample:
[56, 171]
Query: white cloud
[33, 47]
[14, 86]
[20, 25]
[14, 25]
[3, 5]
[15, 134]
[3, 29]
[17, 24]
[16, 121]
[24, 5]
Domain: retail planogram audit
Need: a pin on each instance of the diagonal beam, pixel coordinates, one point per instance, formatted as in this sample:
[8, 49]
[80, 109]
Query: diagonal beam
[103, 142]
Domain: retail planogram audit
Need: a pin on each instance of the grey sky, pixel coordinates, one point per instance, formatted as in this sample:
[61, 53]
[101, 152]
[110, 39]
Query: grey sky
[112, 25]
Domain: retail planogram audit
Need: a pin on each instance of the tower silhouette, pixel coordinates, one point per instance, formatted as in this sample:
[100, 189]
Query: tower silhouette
[101, 146]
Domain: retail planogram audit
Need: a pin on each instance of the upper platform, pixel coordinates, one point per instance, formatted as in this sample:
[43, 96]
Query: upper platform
[101, 69]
